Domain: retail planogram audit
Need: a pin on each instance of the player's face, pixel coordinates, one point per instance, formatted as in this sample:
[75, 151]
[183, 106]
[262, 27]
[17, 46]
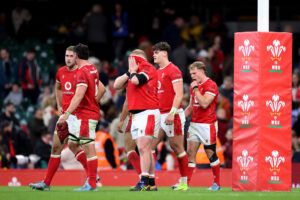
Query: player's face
[196, 74]
[4, 54]
[158, 56]
[70, 58]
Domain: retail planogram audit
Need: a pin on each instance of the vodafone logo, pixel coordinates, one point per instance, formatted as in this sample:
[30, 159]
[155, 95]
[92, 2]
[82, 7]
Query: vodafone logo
[158, 85]
[68, 86]
[195, 100]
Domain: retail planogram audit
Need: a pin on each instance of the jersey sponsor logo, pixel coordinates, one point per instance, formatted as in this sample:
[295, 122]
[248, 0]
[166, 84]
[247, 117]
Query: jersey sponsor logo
[160, 90]
[196, 103]
[68, 86]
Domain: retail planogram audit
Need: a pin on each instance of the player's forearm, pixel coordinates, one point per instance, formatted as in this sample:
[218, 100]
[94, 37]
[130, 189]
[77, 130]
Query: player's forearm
[58, 96]
[177, 100]
[120, 82]
[178, 88]
[135, 80]
[124, 112]
[101, 91]
[75, 102]
[188, 111]
[203, 102]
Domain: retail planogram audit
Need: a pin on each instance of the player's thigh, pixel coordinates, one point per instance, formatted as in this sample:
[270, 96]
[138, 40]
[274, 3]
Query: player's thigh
[57, 147]
[158, 139]
[192, 149]
[88, 129]
[204, 133]
[177, 143]
[129, 142]
[127, 124]
[144, 144]
[177, 128]
[74, 146]
[89, 149]
[145, 123]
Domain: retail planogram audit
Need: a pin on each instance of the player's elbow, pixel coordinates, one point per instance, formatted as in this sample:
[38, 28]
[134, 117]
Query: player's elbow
[117, 85]
[103, 91]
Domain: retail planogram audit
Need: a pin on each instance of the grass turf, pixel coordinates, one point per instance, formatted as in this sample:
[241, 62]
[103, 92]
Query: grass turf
[122, 193]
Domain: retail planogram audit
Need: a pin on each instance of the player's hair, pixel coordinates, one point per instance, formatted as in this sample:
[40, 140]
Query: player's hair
[31, 50]
[82, 51]
[71, 48]
[162, 46]
[198, 65]
[139, 52]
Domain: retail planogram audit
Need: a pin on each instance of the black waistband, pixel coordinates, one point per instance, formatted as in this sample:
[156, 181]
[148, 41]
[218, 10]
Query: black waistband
[136, 111]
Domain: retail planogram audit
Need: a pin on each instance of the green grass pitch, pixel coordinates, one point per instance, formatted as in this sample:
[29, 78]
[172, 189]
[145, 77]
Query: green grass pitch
[122, 193]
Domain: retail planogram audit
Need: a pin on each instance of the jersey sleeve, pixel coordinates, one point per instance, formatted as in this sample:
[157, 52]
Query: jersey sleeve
[145, 70]
[211, 89]
[175, 75]
[82, 79]
[57, 77]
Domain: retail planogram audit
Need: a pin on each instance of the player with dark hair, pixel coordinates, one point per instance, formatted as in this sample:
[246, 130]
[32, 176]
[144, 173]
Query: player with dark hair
[83, 113]
[170, 94]
[64, 89]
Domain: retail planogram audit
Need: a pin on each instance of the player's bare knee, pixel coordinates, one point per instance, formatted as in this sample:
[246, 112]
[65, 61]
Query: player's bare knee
[155, 143]
[129, 148]
[141, 150]
[191, 154]
[177, 148]
[56, 149]
[74, 147]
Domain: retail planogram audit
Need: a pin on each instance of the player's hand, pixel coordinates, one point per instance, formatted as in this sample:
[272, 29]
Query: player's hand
[133, 66]
[169, 119]
[59, 109]
[120, 125]
[62, 118]
[30, 86]
[194, 84]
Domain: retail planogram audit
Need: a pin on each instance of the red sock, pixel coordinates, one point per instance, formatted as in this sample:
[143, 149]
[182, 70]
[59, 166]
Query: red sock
[81, 157]
[92, 171]
[52, 168]
[191, 168]
[134, 160]
[183, 162]
[216, 173]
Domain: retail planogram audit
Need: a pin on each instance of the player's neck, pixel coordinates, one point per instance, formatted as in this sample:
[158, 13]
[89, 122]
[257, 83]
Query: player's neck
[164, 63]
[203, 79]
[82, 63]
[72, 68]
